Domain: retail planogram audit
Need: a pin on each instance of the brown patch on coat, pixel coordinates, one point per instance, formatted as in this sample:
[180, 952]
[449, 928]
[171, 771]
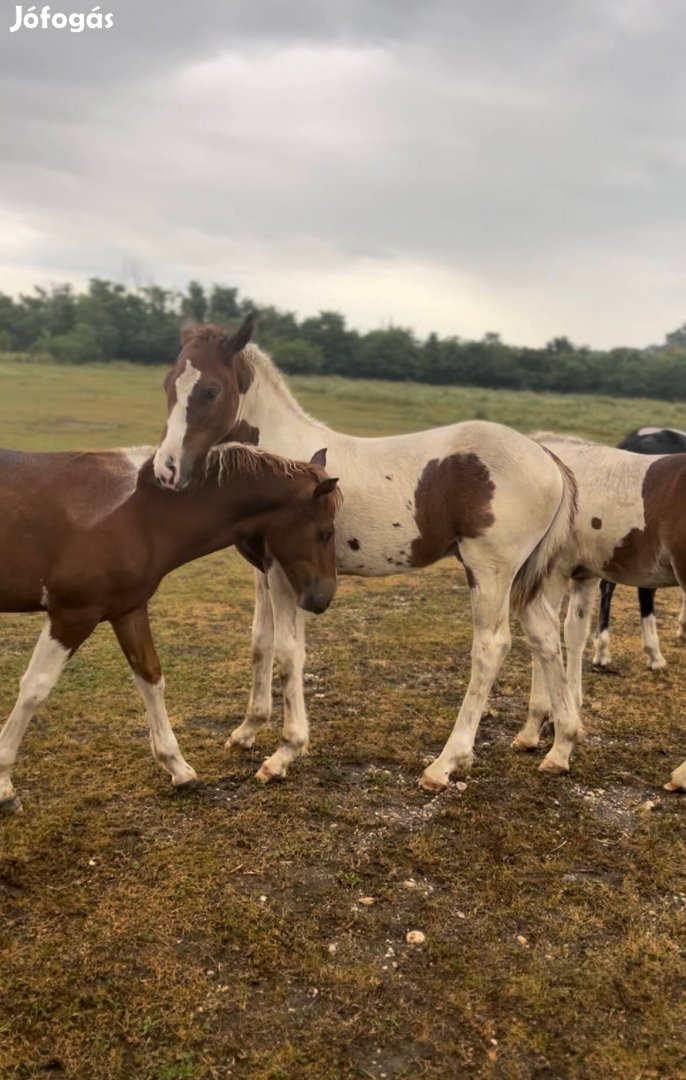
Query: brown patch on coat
[656, 554]
[354, 544]
[452, 500]
[596, 523]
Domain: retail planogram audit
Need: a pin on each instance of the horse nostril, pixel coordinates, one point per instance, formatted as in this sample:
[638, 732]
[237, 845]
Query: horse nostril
[171, 465]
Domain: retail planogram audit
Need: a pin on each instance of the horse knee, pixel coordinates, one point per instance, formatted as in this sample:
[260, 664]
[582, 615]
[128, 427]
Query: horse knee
[33, 690]
[491, 649]
[545, 646]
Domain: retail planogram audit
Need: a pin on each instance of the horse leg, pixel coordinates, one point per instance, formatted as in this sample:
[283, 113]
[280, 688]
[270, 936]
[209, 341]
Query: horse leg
[490, 645]
[260, 701]
[289, 644]
[540, 621]
[681, 632]
[58, 641]
[577, 625]
[539, 701]
[527, 738]
[651, 642]
[601, 646]
[134, 636]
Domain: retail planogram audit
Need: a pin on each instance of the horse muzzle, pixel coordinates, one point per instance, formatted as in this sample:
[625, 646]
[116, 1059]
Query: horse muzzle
[168, 472]
[316, 598]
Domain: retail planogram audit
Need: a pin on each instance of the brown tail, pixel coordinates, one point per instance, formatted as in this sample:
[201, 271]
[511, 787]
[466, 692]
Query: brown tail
[533, 573]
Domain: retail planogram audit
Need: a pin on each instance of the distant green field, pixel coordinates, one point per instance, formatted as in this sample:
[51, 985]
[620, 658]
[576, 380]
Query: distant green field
[52, 406]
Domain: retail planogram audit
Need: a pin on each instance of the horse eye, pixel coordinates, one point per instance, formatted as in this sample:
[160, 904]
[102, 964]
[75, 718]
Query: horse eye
[211, 393]
[325, 537]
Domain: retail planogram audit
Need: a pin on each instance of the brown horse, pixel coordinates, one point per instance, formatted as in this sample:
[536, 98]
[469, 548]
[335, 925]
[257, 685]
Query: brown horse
[89, 536]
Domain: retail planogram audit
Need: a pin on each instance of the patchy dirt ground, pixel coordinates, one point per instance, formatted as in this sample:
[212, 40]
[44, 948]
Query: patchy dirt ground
[243, 931]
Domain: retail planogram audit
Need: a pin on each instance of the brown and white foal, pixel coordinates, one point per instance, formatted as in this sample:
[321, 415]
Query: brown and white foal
[482, 492]
[630, 529]
[89, 536]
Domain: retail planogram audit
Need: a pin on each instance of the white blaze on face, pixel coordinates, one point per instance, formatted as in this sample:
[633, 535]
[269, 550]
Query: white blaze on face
[171, 448]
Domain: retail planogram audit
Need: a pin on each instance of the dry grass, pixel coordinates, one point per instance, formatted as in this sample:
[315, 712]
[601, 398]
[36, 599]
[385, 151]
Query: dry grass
[155, 936]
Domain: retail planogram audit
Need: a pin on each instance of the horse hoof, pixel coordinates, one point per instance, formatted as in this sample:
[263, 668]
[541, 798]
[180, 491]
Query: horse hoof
[427, 783]
[234, 741]
[265, 775]
[520, 742]
[671, 786]
[11, 805]
[192, 784]
[552, 768]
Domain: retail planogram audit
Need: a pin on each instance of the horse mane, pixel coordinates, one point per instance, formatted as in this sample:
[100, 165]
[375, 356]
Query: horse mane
[207, 334]
[261, 363]
[557, 437]
[233, 458]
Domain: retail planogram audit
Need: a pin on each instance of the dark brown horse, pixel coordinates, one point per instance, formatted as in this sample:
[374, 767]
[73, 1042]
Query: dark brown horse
[89, 536]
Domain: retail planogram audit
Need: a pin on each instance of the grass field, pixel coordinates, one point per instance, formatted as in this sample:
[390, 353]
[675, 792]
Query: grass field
[224, 933]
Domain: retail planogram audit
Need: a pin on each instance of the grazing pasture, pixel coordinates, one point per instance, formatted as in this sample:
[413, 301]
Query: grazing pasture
[242, 931]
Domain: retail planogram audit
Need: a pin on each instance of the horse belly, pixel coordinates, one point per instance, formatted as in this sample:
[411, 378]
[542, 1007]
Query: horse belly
[639, 559]
[22, 573]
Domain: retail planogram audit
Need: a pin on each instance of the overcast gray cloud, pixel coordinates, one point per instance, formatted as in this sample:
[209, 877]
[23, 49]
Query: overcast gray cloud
[460, 166]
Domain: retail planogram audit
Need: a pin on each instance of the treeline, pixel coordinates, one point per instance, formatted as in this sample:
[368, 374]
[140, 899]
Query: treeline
[111, 322]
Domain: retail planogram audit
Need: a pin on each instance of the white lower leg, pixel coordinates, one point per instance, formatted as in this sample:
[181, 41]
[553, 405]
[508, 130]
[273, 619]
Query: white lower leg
[490, 646]
[165, 748]
[577, 625]
[541, 627]
[289, 640]
[46, 666]
[260, 701]
[602, 656]
[651, 643]
[681, 632]
[539, 710]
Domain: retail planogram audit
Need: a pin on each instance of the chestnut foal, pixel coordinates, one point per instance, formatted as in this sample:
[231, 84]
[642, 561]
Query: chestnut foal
[89, 536]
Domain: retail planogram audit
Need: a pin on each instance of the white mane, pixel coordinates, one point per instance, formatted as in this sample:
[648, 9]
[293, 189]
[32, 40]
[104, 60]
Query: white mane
[557, 437]
[264, 368]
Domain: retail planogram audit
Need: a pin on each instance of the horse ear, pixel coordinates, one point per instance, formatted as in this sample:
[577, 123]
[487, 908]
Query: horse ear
[234, 349]
[242, 336]
[325, 487]
[319, 458]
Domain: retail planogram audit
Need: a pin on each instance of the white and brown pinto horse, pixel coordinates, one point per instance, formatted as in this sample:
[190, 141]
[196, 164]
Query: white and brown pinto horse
[655, 441]
[630, 529]
[88, 537]
[497, 500]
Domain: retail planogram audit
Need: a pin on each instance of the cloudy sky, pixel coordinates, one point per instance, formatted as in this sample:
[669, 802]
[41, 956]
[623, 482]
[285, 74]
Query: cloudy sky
[460, 165]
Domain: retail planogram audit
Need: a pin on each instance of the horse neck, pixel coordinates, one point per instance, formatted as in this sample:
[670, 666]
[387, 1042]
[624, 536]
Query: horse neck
[211, 514]
[285, 428]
